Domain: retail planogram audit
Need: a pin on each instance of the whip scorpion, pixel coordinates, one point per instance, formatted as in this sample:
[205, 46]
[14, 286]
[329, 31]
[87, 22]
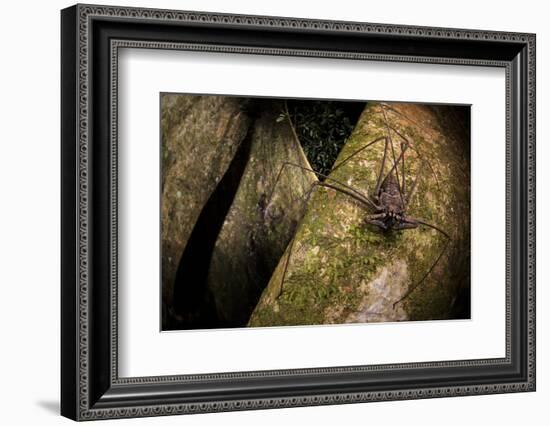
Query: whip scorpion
[386, 206]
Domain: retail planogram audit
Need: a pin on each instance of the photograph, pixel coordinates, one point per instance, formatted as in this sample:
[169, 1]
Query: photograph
[300, 212]
[287, 207]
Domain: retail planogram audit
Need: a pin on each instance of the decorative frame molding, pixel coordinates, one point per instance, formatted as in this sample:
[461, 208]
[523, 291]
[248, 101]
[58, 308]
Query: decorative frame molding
[91, 388]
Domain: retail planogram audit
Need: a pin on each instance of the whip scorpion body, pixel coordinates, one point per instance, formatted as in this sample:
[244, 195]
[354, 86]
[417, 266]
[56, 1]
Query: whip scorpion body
[386, 206]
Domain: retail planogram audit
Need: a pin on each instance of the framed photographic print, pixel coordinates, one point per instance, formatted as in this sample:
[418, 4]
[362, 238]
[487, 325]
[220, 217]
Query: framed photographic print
[263, 212]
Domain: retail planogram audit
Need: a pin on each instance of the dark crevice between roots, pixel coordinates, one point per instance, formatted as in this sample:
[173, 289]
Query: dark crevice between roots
[323, 128]
[194, 304]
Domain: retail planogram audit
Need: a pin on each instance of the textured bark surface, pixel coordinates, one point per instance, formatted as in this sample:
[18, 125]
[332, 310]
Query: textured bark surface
[200, 135]
[262, 218]
[343, 270]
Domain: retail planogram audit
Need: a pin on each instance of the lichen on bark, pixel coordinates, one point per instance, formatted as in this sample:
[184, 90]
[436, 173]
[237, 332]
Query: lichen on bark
[343, 270]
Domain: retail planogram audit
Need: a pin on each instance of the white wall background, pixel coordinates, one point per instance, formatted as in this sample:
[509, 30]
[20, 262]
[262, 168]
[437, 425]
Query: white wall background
[29, 211]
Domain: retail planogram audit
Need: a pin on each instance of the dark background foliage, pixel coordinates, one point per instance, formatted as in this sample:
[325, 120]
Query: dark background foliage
[323, 128]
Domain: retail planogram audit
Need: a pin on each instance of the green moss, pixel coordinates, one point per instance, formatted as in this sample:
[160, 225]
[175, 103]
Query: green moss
[262, 217]
[336, 256]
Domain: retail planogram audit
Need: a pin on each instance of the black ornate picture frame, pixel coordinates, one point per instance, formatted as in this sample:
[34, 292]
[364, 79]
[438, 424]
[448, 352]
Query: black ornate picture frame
[90, 39]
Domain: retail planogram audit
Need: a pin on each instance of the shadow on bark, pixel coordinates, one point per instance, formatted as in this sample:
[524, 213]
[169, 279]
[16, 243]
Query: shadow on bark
[193, 302]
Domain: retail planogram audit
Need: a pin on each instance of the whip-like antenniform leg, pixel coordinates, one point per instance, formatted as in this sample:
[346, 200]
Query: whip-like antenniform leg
[396, 161]
[357, 194]
[382, 166]
[349, 157]
[406, 141]
[410, 223]
[362, 201]
[386, 216]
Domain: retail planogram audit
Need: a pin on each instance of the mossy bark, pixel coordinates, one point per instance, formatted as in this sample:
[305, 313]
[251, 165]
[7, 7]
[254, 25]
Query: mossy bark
[342, 270]
[200, 135]
[262, 217]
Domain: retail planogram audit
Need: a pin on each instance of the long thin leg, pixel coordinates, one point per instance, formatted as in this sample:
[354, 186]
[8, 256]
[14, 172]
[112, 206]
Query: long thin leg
[405, 144]
[358, 195]
[381, 177]
[374, 219]
[404, 225]
[382, 166]
[394, 158]
[349, 157]
[377, 223]
[291, 244]
[414, 222]
[409, 196]
[388, 107]
[417, 153]
[429, 225]
[400, 186]
[394, 165]
[307, 196]
[424, 161]
[403, 170]
[376, 216]
[411, 193]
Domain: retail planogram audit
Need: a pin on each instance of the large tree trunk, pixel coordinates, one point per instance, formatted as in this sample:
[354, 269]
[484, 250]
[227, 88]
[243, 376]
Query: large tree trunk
[200, 135]
[262, 218]
[343, 270]
[229, 208]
